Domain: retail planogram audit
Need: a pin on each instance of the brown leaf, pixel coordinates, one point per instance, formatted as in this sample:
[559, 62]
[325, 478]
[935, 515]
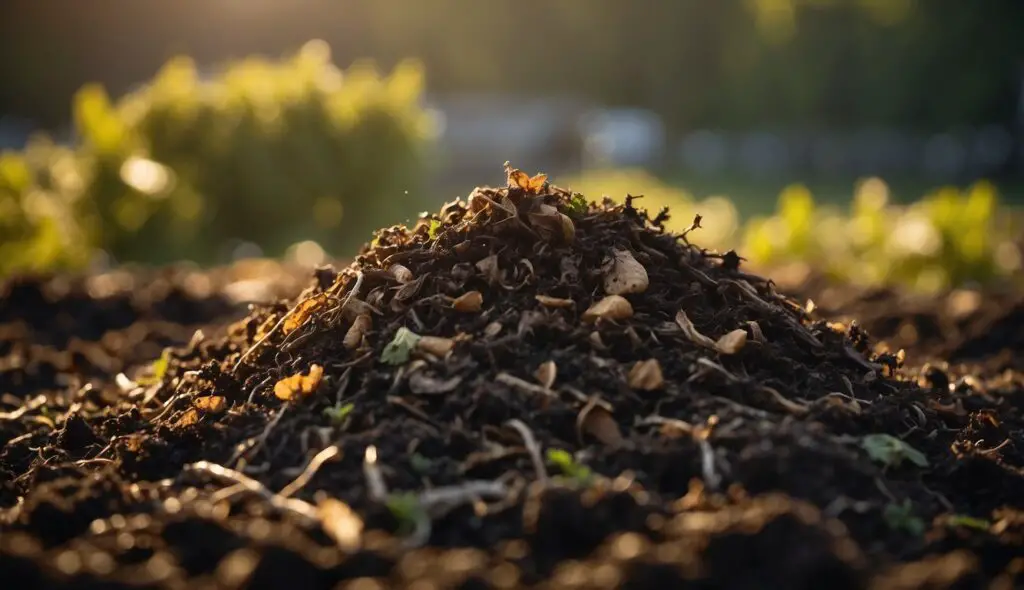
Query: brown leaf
[299, 385]
[691, 333]
[613, 307]
[435, 346]
[410, 289]
[469, 302]
[546, 373]
[554, 302]
[423, 383]
[756, 333]
[552, 224]
[302, 312]
[211, 404]
[732, 342]
[520, 179]
[354, 336]
[402, 274]
[625, 275]
[646, 375]
[489, 268]
[598, 422]
[340, 523]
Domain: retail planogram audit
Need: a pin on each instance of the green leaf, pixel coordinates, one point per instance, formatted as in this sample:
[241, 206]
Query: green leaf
[420, 463]
[577, 204]
[398, 350]
[435, 227]
[891, 451]
[407, 510]
[970, 522]
[900, 517]
[569, 467]
[159, 369]
[338, 413]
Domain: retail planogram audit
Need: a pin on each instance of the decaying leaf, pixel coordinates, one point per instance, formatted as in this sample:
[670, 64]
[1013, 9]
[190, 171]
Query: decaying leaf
[401, 346]
[410, 289]
[546, 373]
[402, 274]
[612, 307]
[211, 404]
[489, 268]
[299, 385]
[625, 275]
[691, 333]
[469, 302]
[551, 224]
[423, 383]
[756, 333]
[554, 302]
[732, 342]
[493, 329]
[340, 522]
[646, 375]
[435, 346]
[354, 336]
[891, 451]
[520, 179]
[598, 422]
[302, 312]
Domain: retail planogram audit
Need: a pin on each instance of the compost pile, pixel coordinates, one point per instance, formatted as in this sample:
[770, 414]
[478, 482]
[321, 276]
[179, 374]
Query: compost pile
[522, 390]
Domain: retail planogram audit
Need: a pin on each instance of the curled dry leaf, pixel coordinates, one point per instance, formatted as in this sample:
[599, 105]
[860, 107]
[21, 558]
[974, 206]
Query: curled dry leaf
[435, 345]
[613, 307]
[489, 268]
[340, 523]
[211, 404]
[302, 312]
[552, 224]
[625, 275]
[469, 302]
[732, 342]
[554, 302]
[402, 274]
[354, 336]
[756, 333]
[546, 373]
[595, 420]
[520, 179]
[299, 385]
[410, 289]
[691, 333]
[646, 376]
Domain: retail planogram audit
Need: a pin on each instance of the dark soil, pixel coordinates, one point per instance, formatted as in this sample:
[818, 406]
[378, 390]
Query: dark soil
[742, 467]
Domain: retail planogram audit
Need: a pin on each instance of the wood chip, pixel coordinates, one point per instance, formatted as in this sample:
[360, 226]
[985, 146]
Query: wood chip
[613, 307]
[732, 342]
[493, 329]
[546, 373]
[299, 385]
[646, 376]
[625, 275]
[554, 302]
[211, 404]
[469, 302]
[598, 422]
[435, 346]
[354, 336]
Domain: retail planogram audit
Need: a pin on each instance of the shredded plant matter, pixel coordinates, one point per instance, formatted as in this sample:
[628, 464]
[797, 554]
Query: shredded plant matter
[523, 391]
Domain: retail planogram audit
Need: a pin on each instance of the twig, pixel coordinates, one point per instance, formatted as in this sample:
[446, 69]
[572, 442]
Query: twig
[243, 483]
[375, 486]
[28, 406]
[531, 447]
[517, 383]
[257, 442]
[685, 427]
[439, 500]
[314, 465]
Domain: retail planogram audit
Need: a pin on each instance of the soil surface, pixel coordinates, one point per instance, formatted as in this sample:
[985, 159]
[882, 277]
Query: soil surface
[520, 391]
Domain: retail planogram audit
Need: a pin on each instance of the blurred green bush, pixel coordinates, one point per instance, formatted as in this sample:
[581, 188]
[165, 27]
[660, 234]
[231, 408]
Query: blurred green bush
[270, 152]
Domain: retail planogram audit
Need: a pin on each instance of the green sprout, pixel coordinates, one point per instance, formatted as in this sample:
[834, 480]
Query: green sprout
[408, 511]
[337, 413]
[969, 522]
[565, 462]
[435, 227]
[891, 451]
[900, 517]
[420, 463]
[398, 350]
[577, 204]
[158, 368]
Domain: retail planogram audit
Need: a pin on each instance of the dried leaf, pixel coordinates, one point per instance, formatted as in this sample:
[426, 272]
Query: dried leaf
[520, 179]
[732, 342]
[625, 275]
[435, 346]
[354, 336]
[554, 302]
[469, 302]
[756, 333]
[423, 383]
[489, 268]
[493, 329]
[551, 224]
[613, 307]
[691, 333]
[646, 375]
[340, 523]
[211, 404]
[546, 373]
[401, 346]
[302, 313]
[598, 422]
[402, 274]
[298, 384]
[410, 289]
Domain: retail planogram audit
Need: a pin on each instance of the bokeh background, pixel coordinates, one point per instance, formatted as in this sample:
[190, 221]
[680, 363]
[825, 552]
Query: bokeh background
[874, 140]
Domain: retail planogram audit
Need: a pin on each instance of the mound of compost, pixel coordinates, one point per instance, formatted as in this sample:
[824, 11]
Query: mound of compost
[522, 390]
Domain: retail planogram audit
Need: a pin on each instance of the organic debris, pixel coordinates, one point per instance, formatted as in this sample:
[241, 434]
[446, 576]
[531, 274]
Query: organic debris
[394, 423]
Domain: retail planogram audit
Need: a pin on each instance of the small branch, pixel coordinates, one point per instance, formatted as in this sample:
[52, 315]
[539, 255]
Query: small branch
[314, 465]
[375, 486]
[531, 447]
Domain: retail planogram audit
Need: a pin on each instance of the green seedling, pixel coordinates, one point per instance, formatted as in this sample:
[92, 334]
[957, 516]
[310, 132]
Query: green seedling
[968, 522]
[337, 413]
[565, 462]
[408, 511]
[891, 451]
[900, 517]
[158, 368]
[397, 351]
[435, 227]
[420, 463]
[577, 204]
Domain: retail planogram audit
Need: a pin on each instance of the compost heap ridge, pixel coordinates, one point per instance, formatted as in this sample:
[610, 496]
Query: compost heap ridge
[527, 367]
